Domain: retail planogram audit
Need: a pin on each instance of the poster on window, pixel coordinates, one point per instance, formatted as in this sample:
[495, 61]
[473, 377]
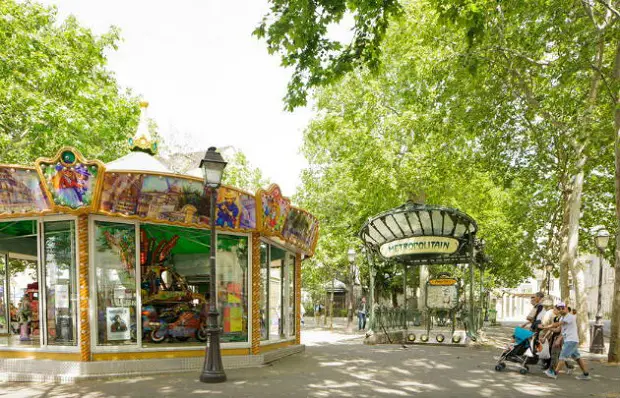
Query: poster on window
[61, 294]
[117, 323]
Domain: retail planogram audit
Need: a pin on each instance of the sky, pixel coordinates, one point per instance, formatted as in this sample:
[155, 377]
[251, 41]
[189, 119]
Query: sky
[204, 75]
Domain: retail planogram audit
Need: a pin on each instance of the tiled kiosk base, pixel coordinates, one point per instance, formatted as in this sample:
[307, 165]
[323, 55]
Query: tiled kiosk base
[45, 370]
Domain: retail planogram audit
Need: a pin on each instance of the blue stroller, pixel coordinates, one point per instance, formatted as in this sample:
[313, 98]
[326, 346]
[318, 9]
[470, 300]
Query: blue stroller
[521, 352]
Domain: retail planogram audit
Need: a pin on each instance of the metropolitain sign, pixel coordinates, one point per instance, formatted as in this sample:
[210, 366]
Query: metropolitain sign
[420, 245]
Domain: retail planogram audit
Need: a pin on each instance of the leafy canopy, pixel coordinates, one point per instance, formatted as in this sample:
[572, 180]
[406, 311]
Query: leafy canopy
[55, 89]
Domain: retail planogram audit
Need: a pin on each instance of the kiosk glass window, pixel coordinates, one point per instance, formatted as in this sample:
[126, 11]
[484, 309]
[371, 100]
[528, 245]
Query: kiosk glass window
[174, 263]
[232, 287]
[290, 294]
[61, 293]
[115, 283]
[276, 273]
[20, 286]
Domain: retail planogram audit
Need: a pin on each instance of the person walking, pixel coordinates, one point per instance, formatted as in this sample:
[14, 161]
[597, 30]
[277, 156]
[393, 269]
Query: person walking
[570, 345]
[361, 314]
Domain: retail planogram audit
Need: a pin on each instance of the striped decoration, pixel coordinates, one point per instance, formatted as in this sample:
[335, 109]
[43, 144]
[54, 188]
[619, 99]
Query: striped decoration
[84, 294]
[256, 289]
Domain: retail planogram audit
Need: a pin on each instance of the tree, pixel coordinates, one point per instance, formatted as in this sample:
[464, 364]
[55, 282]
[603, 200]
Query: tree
[299, 32]
[568, 85]
[55, 89]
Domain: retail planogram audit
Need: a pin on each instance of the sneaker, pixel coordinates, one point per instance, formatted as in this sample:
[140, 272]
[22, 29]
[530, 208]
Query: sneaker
[551, 373]
[583, 377]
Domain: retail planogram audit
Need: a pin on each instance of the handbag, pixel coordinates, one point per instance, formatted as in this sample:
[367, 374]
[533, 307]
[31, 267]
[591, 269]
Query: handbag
[544, 352]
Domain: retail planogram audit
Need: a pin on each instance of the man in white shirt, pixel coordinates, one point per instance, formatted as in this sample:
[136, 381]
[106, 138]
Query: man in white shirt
[571, 344]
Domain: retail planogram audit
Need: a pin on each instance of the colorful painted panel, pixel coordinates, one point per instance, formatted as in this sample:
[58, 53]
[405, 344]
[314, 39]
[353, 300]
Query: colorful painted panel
[274, 210]
[155, 197]
[69, 179]
[21, 192]
[235, 209]
[120, 193]
[300, 228]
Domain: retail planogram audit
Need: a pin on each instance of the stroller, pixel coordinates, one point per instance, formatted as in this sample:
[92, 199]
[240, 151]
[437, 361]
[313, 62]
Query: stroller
[522, 352]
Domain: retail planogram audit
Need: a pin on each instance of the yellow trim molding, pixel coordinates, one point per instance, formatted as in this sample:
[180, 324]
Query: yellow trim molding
[57, 356]
[119, 356]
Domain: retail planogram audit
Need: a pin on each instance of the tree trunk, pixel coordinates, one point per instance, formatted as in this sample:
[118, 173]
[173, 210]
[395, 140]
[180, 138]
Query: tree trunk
[581, 302]
[614, 340]
[564, 253]
[568, 250]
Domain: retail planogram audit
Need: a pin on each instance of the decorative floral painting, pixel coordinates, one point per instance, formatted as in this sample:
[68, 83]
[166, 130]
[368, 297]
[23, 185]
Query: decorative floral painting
[21, 192]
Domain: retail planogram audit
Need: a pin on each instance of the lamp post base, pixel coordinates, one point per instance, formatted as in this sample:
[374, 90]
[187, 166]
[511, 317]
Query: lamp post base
[213, 370]
[597, 340]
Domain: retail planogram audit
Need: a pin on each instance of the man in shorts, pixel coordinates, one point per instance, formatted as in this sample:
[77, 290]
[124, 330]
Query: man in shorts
[568, 322]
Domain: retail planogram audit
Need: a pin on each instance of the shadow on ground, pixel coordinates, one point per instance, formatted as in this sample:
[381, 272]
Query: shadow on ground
[346, 368]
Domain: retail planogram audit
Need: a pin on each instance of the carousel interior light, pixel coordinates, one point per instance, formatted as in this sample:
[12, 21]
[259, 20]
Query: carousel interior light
[440, 338]
[424, 338]
[411, 337]
[456, 339]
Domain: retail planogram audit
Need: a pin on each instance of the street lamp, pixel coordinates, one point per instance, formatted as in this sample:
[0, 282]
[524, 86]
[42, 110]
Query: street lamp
[549, 268]
[597, 345]
[212, 166]
[351, 256]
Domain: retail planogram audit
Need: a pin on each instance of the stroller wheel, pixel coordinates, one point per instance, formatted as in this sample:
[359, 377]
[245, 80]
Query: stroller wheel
[503, 365]
[498, 368]
[523, 371]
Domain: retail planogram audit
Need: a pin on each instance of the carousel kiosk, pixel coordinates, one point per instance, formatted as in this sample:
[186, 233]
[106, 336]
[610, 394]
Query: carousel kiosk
[104, 268]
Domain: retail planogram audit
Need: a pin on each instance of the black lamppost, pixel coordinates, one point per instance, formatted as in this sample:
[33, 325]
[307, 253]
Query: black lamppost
[549, 268]
[597, 345]
[212, 166]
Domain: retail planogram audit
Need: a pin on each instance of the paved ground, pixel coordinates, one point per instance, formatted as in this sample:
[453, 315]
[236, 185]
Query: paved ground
[337, 364]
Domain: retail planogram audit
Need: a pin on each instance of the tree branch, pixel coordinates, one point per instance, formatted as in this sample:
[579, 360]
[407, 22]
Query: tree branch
[607, 4]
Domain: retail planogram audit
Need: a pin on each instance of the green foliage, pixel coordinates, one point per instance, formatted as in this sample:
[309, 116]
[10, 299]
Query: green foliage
[55, 89]
[241, 174]
[299, 32]
[482, 107]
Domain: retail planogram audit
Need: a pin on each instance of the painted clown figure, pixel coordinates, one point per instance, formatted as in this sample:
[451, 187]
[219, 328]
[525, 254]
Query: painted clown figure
[228, 211]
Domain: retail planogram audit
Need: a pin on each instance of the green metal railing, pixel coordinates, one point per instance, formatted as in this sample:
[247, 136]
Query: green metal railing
[398, 318]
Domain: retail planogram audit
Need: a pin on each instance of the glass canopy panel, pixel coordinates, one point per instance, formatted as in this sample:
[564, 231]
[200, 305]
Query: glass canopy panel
[415, 224]
[383, 230]
[394, 227]
[425, 220]
[448, 223]
[374, 234]
[437, 217]
[401, 219]
[460, 230]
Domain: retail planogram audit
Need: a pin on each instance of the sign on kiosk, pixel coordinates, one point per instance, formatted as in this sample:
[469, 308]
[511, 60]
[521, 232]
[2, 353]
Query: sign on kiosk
[420, 245]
